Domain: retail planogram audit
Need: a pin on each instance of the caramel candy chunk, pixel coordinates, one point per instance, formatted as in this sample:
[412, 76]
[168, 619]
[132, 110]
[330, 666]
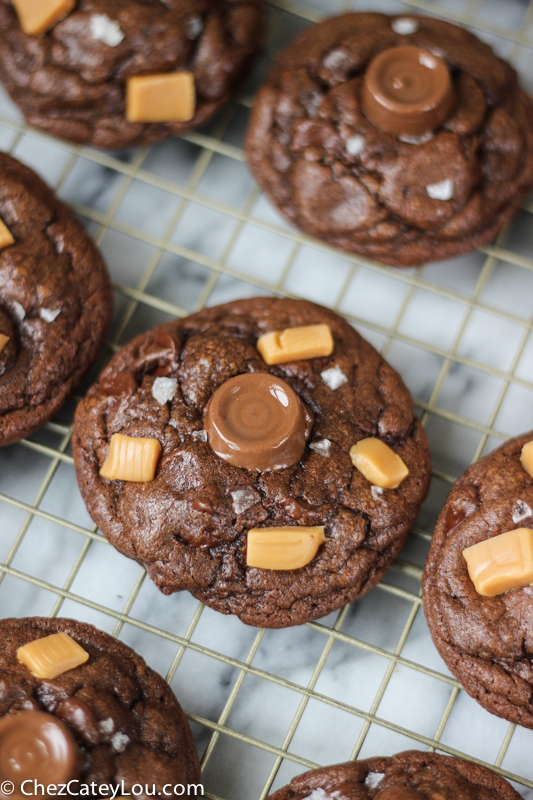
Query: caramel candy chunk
[256, 421]
[131, 458]
[3, 341]
[166, 97]
[296, 344]
[283, 548]
[6, 237]
[502, 563]
[35, 745]
[52, 656]
[407, 91]
[526, 458]
[38, 16]
[379, 464]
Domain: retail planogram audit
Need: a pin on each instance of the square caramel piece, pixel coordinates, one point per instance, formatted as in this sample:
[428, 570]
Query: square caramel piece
[501, 563]
[286, 548]
[6, 237]
[38, 16]
[165, 97]
[378, 463]
[52, 655]
[131, 458]
[296, 344]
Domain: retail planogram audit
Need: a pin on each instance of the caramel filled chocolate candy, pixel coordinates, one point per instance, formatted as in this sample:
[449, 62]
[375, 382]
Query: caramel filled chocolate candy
[256, 421]
[296, 344]
[407, 91]
[35, 746]
[131, 458]
[168, 97]
[38, 16]
[3, 341]
[379, 464]
[502, 563]
[283, 548]
[6, 237]
[526, 458]
[52, 655]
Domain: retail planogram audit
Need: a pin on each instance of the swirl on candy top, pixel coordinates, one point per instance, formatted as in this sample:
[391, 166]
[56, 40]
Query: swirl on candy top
[35, 746]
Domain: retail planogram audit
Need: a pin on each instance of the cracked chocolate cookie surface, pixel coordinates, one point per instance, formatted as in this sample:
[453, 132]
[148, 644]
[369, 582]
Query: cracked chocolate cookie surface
[124, 718]
[73, 84]
[411, 775]
[400, 200]
[189, 525]
[55, 302]
[485, 641]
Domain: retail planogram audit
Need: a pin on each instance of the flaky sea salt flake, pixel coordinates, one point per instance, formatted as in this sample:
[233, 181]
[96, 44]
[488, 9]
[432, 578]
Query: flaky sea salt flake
[373, 779]
[321, 794]
[521, 511]
[442, 190]
[106, 30]
[106, 725]
[377, 492]
[334, 377]
[404, 25]
[243, 499]
[322, 447]
[18, 311]
[355, 145]
[49, 314]
[164, 390]
[199, 436]
[119, 742]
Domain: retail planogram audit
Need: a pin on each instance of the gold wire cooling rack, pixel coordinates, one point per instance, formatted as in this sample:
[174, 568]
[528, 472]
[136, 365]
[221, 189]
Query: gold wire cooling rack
[183, 225]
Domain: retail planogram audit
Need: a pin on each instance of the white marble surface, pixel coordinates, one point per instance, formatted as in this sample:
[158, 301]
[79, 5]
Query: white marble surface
[189, 228]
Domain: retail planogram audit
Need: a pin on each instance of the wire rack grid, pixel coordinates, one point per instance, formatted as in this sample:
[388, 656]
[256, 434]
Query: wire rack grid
[183, 225]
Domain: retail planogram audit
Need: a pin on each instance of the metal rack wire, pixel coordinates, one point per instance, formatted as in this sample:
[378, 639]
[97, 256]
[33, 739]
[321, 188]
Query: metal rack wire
[469, 399]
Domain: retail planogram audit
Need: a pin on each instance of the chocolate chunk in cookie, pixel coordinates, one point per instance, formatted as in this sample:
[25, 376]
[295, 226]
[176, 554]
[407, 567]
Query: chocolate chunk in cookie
[477, 594]
[411, 775]
[55, 302]
[255, 505]
[405, 139]
[127, 73]
[106, 719]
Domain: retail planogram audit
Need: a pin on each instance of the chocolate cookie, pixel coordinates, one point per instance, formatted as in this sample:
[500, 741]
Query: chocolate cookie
[485, 640]
[404, 139]
[411, 775]
[73, 79]
[109, 720]
[55, 302]
[240, 484]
